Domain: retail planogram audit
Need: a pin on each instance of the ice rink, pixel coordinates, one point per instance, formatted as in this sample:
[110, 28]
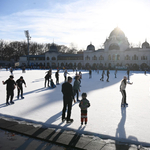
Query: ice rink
[106, 118]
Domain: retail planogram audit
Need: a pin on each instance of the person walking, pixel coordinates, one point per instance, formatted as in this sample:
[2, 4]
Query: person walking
[57, 76]
[10, 86]
[67, 100]
[19, 83]
[76, 87]
[123, 92]
[108, 75]
[84, 104]
[103, 73]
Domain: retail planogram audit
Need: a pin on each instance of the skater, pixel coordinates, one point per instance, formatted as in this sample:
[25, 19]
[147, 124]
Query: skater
[123, 92]
[128, 74]
[65, 74]
[103, 73]
[67, 100]
[84, 104]
[11, 84]
[57, 76]
[108, 75]
[47, 77]
[90, 73]
[80, 75]
[11, 70]
[115, 73]
[52, 84]
[76, 87]
[23, 69]
[19, 83]
[145, 72]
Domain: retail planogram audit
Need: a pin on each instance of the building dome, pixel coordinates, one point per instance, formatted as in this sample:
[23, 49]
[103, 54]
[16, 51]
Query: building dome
[117, 32]
[90, 47]
[145, 45]
[53, 48]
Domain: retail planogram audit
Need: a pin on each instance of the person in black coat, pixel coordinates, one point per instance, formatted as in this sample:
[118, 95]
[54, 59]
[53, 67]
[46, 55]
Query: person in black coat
[108, 75]
[67, 100]
[47, 77]
[57, 76]
[11, 84]
[19, 83]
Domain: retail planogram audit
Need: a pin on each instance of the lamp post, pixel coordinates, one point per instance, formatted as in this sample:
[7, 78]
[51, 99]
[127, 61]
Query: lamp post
[28, 38]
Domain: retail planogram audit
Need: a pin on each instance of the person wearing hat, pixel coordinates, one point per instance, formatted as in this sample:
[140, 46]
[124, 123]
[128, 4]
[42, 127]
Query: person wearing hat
[19, 82]
[10, 86]
[84, 104]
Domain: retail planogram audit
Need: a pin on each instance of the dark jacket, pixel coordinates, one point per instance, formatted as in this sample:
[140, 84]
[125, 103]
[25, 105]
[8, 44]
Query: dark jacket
[67, 89]
[56, 74]
[84, 104]
[10, 84]
[20, 82]
[47, 76]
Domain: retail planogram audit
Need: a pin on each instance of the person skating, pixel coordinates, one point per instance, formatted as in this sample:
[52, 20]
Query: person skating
[90, 73]
[10, 86]
[103, 73]
[65, 74]
[76, 87]
[108, 75]
[47, 77]
[11, 70]
[115, 73]
[84, 104]
[19, 83]
[67, 100]
[57, 76]
[123, 92]
[128, 74]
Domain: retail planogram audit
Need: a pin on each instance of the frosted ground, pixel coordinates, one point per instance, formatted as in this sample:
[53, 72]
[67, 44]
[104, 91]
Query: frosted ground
[105, 116]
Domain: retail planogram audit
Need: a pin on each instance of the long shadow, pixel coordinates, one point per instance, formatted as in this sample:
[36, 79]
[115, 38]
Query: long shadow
[121, 133]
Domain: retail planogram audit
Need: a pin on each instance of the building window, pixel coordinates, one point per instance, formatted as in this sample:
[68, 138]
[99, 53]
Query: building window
[53, 58]
[118, 57]
[47, 58]
[87, 58]
[109, 57]
[101, 58]
[134, 57]
[94, 58]
[127, 57]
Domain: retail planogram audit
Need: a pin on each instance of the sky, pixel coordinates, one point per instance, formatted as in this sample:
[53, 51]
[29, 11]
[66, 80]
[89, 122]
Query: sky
[80, 22]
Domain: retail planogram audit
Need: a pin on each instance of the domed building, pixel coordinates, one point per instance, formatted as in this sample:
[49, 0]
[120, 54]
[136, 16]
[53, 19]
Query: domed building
[145, 45]
[90, 48]
[117, 52]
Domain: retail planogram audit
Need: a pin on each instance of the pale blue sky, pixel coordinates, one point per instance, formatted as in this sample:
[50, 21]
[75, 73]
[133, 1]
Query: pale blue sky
[74, 21]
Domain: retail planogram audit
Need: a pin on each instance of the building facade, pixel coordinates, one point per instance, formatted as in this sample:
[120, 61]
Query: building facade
[116, 52]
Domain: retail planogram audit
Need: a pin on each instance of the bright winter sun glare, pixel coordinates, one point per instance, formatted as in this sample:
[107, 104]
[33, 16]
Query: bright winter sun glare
[130, 16]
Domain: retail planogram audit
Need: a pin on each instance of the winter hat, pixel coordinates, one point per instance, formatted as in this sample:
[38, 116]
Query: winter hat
[21, 77]
[84, 95]
[11, 76]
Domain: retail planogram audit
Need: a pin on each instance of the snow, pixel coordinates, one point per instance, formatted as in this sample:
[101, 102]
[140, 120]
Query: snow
[105, 116]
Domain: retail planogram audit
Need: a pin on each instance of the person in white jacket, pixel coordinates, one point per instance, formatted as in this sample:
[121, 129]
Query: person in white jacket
[123, 92]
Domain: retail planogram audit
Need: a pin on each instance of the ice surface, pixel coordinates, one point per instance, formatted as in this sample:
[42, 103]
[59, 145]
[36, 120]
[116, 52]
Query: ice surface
[105, 116]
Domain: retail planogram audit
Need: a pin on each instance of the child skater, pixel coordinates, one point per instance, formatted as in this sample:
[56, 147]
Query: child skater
[84, 104]
[52, 84]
